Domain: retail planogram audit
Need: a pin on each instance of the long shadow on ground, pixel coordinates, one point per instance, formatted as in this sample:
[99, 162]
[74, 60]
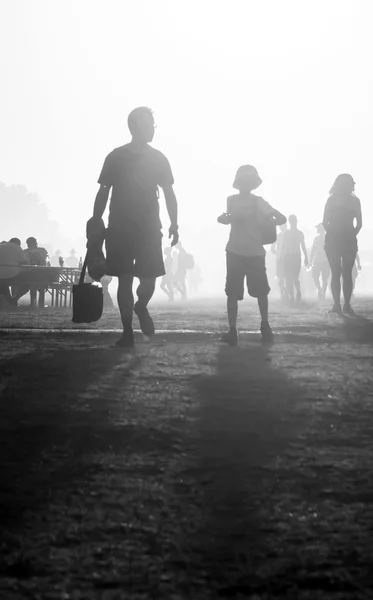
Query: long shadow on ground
[265, 513]
[243, 429]
[41, 430]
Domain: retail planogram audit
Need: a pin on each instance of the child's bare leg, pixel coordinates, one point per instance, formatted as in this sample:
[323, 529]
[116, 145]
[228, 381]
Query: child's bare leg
[266, 331]
[232, 310]
[231, 337]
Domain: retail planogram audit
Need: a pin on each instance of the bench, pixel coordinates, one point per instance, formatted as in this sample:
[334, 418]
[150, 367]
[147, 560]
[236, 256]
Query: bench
[43, 278]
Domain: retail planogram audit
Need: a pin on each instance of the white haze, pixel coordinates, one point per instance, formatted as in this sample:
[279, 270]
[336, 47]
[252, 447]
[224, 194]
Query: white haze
[286, 86]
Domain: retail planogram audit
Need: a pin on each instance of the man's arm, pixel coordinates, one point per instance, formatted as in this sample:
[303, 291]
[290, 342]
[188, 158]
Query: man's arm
[101, 202]
[171, 204]
[303, 246]
[106, 182]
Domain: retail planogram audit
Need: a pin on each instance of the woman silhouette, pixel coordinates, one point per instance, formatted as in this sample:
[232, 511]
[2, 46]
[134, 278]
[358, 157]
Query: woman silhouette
[342, 222]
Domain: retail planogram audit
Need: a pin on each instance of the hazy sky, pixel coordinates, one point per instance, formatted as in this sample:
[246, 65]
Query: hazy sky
[285, 85]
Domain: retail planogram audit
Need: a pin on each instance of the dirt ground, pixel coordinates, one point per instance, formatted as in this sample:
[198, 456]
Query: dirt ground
[187, 469]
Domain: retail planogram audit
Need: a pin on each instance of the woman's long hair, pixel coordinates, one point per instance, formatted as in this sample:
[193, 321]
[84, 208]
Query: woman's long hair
[344, 184]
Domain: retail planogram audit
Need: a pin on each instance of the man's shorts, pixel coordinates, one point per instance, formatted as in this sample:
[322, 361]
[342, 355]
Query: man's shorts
[135, 253]
[251, 267]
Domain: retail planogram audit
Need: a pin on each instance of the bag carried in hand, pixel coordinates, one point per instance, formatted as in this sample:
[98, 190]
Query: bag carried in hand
[88, 300]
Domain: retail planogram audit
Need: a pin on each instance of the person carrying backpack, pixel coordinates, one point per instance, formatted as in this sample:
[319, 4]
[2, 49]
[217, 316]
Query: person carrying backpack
[248, 216]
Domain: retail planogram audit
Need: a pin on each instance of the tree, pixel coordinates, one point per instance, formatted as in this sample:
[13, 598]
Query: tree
[23, 214]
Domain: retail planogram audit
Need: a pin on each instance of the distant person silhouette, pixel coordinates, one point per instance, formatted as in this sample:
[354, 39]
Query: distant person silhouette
[245, 254]
[319, 262]
[342, 222]
[195, 279]
[293, 243]
[134, 172]
[167, 285]
[185, 261]
[72, 259]
[55, 258]
[276, 249]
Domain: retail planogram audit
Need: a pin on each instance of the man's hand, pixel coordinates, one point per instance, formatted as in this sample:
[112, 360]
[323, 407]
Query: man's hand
[174, 234]
[225, 219]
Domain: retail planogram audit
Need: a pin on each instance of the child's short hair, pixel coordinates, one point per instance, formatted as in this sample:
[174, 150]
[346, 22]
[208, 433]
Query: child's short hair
[247, 177]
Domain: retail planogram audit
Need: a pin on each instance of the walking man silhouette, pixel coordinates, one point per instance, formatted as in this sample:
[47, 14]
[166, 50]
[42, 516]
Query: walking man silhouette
[133, 173]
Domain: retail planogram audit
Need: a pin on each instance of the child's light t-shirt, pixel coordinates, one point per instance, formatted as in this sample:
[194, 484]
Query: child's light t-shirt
[245, 237]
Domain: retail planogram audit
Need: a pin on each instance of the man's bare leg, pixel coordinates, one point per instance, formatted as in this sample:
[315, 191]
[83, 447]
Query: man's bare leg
[145, 292]
[125, 303]
[263, 308]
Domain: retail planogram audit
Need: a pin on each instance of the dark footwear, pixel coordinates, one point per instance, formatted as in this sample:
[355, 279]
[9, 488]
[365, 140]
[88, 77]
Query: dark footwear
[127, 340]
[336, 309]
[298, 297]
[347, 310]
[267, 334]
[231, 337]
[146, 322]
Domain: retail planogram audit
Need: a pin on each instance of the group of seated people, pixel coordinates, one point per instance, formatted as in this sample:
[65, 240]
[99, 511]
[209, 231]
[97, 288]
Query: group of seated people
[12, 257]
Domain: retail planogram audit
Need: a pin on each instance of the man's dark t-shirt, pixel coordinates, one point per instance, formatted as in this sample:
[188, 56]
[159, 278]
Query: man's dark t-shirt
[135, 174]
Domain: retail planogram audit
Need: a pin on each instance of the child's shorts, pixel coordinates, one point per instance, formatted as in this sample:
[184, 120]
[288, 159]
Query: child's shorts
[251, 267]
